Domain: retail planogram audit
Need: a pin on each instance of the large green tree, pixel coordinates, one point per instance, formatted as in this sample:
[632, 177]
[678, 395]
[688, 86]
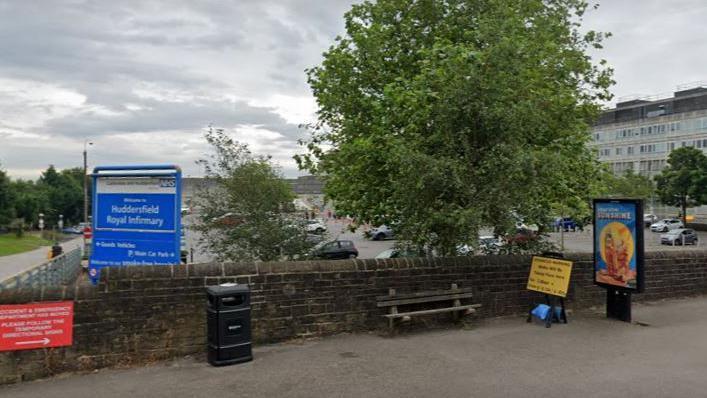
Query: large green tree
[683, 182]
[630, 185]
[246, 207]
[7, 200]
[64, 193]
[30, 200]
[442, 116]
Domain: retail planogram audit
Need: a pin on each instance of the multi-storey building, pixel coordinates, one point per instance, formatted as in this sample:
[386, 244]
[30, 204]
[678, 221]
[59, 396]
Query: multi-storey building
[638, 134]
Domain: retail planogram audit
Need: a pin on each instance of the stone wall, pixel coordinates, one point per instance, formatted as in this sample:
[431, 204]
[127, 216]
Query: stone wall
[138, 315]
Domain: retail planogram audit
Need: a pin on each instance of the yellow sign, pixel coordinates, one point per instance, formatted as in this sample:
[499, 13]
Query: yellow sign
[550, 276]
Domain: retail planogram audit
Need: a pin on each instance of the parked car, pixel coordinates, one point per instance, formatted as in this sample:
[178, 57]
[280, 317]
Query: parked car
[680, 236]
[521, 237]
[565, 224]
[382, 232]
[490, 244]
[335, 250]
[649, 219]
[396, 253]
[76, 229]
[314, 238]
[227, 220]
[666, 225]
[531, 227]
[315, 226]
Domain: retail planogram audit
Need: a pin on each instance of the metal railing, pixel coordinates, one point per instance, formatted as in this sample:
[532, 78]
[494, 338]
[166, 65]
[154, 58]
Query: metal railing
[60, 270]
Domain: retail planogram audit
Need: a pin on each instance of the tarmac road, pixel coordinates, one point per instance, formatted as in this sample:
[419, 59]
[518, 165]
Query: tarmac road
[589, 357]
[16, 263]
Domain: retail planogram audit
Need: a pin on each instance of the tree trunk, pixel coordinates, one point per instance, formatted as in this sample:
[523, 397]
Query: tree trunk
[684, 211]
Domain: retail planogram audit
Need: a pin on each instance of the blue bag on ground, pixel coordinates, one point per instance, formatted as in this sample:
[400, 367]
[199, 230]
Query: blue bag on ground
[541, 311]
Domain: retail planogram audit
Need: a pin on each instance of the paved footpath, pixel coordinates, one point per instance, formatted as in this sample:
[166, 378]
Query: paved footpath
[16, 263]
[665, 356]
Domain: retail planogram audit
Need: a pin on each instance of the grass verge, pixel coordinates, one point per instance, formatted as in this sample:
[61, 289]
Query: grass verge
[11, 244]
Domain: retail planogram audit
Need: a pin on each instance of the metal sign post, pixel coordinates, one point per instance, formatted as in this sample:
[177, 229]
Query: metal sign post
[136, 216]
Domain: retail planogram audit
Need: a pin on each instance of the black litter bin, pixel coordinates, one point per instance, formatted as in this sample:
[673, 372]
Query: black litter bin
[228, 324]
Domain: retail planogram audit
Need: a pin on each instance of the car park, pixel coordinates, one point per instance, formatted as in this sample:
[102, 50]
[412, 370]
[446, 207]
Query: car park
[666, 225]
[335, 250]
[381, 233]
[680, 236]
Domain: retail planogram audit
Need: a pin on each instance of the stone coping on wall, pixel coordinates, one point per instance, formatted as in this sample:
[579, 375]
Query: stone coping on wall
[211, 272]
[216, 269]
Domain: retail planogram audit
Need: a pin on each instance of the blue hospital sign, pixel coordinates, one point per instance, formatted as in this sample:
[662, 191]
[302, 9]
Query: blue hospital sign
[136, 221]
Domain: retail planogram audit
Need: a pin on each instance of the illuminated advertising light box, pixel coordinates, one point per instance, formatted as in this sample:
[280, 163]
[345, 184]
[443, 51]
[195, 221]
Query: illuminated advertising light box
[618, 244]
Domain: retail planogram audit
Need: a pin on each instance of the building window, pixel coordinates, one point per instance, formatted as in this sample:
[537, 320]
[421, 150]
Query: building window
[629, 150]
[671, 146]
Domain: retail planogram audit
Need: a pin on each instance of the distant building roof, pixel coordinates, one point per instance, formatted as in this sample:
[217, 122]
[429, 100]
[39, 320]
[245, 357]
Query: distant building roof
[686, 98]
[305, 185]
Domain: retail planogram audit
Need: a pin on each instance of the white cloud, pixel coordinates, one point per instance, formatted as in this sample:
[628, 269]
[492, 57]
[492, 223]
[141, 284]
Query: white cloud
[143, 79]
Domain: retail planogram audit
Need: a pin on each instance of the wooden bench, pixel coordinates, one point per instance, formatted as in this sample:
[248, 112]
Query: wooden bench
[454, 296]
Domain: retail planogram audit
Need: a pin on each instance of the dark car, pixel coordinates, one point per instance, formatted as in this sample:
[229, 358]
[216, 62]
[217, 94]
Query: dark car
[335, 250]
[681, 236]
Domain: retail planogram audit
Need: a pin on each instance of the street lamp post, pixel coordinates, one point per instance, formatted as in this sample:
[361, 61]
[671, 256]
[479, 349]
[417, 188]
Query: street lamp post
[85, 181]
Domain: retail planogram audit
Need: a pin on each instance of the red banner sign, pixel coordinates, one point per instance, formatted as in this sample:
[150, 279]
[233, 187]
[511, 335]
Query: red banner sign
[43, 325]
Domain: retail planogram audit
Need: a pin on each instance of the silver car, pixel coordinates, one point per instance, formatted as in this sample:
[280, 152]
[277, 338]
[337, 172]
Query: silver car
[681, 236]
[666, 225]
[381, 233]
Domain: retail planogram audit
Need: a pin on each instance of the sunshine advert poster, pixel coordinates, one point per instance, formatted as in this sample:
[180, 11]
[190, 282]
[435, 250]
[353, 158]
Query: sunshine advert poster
[616, 244]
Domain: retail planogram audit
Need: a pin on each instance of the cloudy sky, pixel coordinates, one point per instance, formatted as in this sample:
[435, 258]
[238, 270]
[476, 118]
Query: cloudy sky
[142, 79]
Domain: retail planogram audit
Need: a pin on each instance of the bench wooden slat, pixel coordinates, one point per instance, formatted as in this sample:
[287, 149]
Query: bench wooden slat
[425, 294]
[418, 300]
[471, 308]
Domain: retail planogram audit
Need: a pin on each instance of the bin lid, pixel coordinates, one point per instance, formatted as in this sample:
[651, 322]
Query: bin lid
[227, 289]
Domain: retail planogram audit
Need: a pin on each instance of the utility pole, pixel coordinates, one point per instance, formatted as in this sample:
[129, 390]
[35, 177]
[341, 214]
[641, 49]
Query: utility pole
[85, 181]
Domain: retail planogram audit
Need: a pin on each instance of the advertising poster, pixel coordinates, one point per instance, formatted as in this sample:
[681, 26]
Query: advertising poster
[618, 244]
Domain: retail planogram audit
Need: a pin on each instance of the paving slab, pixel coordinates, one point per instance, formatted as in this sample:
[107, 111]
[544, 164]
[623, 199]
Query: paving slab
[665, 356]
